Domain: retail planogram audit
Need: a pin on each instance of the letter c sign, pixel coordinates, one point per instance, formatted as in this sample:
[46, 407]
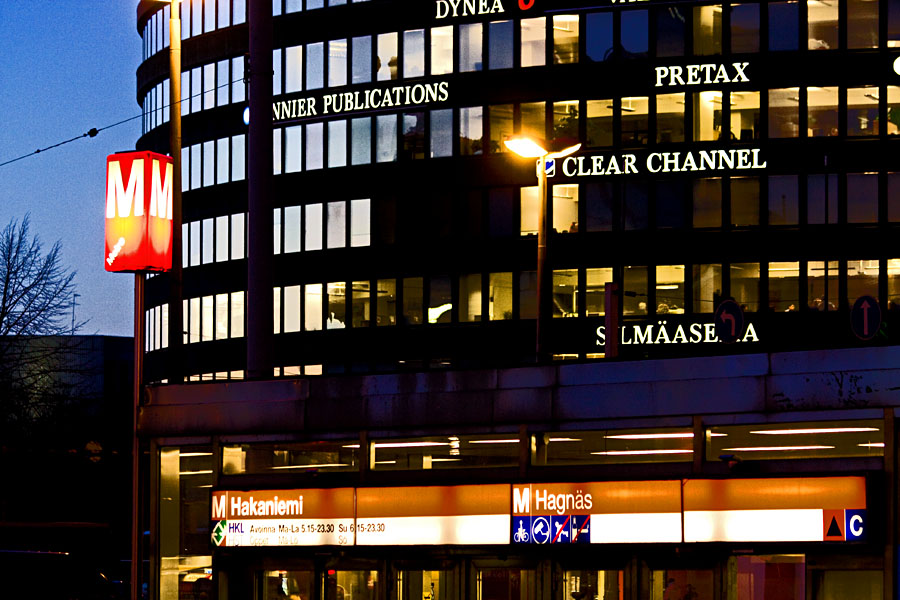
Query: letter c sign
[526, 4]
[855, 524]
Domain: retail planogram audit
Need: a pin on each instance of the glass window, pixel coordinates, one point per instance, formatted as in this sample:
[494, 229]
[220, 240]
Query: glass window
[783, 200]
[599, 203]
[439, 452]
[565, 39]
[744, 201]
[529, 210]
[293, 69]
[361, 70]
[634, 298]
[822, 284]
[221, 88]
[337, 305]
[565, 297]
[238, 157]
[893, 197]
[707, 286]
[312, 307]
[784, 112]
[893, 285]
[238, 87]
[670, 118]
[315, 157]
[670, 204]
[707, 116]
[862, 23]
[315, 61]
[635, 33]
[386, 302]
[745, 116]
[534, 120]
[670, 31]
[744, 28]
[821, 199]
[893, 110]
[500, 212]
[500, 125]
[565, 208]
[527, 294]
[470, 47]
[784, 24]
[222, 160]
[336, 235]
[833, 583]
[292, 238]
[276, 72]
[635, 120]
[360, 211]
[534, 36]
[413, 135]
[500, 293]
[413, 300]
[862, 197]
[784, 286]
[893, 24]
[386, 61]
[287, 584]
[293, 148]
[669, 289]
[337, 63]
[823, 25]
[471, 131]
[194, 321]
[276, 230]
[291, 303]
[222, 238]
[862, 111]
[441, 50]
[441, 133]
[195, 243]
[208, 240]
[500, 45]
[277, 165]
[707, 202]
[386, 138]
[595, 290]
[196, 166]
[237, 236]
[470, 297]
[565, 120]
[599, 36]
[413, 53]
[440, 303]
[823, 111]
[206, 320]
[361, 141]
[360, 304]
[635, 205]
[337, 143]
[708, 30]
[599, 123]
[312, 231]
[237, 314]
[745, 285]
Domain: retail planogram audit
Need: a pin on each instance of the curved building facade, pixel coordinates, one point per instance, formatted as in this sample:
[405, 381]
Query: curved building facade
[737, 151]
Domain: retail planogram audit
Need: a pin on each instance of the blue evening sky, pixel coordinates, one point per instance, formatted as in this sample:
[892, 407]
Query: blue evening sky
[67, 66]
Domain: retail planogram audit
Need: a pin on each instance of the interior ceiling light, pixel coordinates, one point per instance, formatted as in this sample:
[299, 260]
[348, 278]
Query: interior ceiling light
[778, 448]
[814, 430]
[322, 466]
[410, 444]
[509, 441]
[650, 436]
[639, 452]
[872, 445]
[561, 439]
[184, 454]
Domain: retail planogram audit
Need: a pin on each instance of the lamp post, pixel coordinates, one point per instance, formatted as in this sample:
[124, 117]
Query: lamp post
[543, 151]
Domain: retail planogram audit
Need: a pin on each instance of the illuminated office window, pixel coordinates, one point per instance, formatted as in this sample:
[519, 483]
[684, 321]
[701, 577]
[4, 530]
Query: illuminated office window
[564, 284]
[315, 157]
[470, 52]
[823, 25]
[528, 213]
[441, 144]
[595, 290]
[635, 120]
[312, 307]
[276, 230]
[361, 69]
[500, 45]
[206, 319]
[707, 30]
[360, 222]
[822, 111]
[501, 126]
[337, 143]
[862, 111]
[784, 21]
[822, 285]
[744, 28]
[194, 320]
[386, 60]
[707, 204]
[413, 300]
[669, 289]
[441, 50]
[292, 237]
[223, 84]
[224, 13]
[336, 311]
[293, 69]
[361, 141]
[784, 113]
[862, 23]
[293, 149]
[336, 222]
[893, 110]
[670, 118]
[337, 62]
[221, 316]
[386, 138]
[195, 243]
[744, 201]
[238, 157]
[208, 241]
[238, 87]
[315, 65]
[565, 120]
[565, 39]
[386, 302]
[237, 236]
[360, 304]
[783, 200]
[534, 36]
[534, 120]
[222, 238]
[599, 123]
[599, 35]
[222, 160]
[470, 297]
[565, 208]
[745, 116]
[413, 53]
[862, 197]
[745, 285]
[634, 300]
[277, 165]
[440, 300]
[784, 286]
[312, 231]
[500, 293]
[707, 287]
[707, 116]
[471, 131]
[413, 129]
[893, 284]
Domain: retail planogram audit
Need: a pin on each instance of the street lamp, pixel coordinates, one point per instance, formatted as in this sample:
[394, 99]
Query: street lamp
[543, 151]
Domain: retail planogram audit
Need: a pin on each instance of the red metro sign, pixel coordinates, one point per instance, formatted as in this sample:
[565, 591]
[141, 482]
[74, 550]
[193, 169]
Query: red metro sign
[138, 212]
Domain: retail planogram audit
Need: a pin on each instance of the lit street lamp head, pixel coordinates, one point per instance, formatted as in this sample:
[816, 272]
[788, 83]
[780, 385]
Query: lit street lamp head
[528, 147]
